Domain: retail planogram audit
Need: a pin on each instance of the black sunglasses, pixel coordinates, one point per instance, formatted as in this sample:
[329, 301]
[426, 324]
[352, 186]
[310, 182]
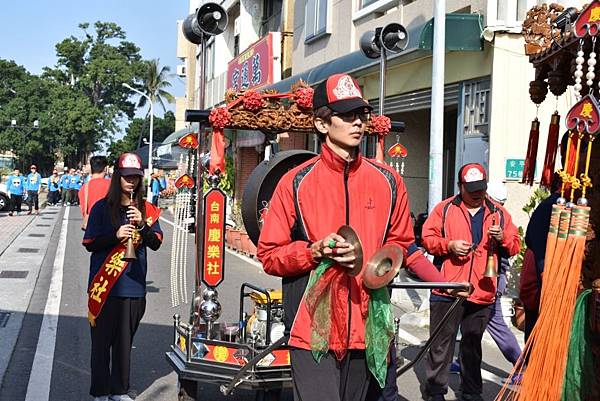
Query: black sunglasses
[352, 115]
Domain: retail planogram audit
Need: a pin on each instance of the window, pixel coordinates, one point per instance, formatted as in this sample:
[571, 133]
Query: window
[271, 19]
[316, 19]
[365, 3]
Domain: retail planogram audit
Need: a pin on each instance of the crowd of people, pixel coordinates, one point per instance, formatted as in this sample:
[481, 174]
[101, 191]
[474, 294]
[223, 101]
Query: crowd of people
[66, 186]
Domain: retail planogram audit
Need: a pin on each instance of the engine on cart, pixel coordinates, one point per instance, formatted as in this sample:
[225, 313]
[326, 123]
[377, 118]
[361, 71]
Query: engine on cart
[268, 312]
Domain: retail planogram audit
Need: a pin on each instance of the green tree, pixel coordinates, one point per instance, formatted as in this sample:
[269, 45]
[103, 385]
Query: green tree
[26, 98]
[95, 67]
[154, 84]
[139, 128]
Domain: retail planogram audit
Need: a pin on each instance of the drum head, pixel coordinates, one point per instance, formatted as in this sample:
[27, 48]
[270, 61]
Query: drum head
[261, 185]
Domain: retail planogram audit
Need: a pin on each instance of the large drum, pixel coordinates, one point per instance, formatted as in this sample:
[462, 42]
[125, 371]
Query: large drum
[261, 185]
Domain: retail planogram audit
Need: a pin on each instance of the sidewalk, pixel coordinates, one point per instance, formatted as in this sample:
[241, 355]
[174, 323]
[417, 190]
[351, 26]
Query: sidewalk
[11, 227]
[24, 242]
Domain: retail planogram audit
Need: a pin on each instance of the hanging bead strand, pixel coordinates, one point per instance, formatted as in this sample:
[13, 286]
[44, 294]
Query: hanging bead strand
[579, 71]
[591, 67]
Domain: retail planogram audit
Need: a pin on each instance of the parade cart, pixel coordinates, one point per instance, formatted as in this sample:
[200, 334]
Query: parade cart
[561, 360]
[250, 353]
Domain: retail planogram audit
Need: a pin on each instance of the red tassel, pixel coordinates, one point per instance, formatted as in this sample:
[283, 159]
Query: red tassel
[532, 148]
[217, 151]
[570, 164]
[551, 147]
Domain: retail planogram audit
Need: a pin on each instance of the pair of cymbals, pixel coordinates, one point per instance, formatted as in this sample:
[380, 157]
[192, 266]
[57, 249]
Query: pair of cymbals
[383, 266]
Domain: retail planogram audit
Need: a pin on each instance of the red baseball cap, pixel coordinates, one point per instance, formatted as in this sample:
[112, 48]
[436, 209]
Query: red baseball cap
[130, 164]
[341, 93]
[473, 177]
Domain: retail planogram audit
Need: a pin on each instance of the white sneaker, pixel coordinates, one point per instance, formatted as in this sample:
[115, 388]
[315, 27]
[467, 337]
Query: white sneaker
[122, 397]
[102, 398]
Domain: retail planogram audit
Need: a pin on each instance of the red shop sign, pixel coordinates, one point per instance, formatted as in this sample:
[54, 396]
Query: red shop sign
[214, 238]
[257, 66]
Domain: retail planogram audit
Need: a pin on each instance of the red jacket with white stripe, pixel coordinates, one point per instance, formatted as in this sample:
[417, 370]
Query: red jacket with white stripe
[450, 220]
[314, 200]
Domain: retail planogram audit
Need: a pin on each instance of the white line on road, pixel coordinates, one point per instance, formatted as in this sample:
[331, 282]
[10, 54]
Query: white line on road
[38, 388]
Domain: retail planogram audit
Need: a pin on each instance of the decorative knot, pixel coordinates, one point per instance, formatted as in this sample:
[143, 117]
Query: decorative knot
[252, 101]
[304, 97]
[219, 117]
[381, 125]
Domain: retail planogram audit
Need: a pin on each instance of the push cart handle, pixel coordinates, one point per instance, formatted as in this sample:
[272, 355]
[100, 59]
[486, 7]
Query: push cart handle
[429, 285]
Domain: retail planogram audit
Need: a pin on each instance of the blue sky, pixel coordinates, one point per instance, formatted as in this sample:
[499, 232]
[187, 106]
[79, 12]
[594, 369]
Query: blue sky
[30, 29]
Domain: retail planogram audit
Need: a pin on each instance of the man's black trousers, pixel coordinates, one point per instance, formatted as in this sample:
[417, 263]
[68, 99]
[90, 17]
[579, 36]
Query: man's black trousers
[472, 319]
[16, 201]
[33, 200]
[111, 345]
[330, 379]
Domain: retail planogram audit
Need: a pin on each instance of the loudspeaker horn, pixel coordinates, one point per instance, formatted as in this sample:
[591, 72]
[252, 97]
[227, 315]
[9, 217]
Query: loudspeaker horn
[210, 19]
[394, 37]
[368, 44]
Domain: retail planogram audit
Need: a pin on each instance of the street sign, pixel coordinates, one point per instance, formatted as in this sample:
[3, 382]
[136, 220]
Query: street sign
[514, 169]
[214, 238]
[257, 66]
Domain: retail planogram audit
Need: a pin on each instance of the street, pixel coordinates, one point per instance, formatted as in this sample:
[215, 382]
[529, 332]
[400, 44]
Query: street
[50, 360]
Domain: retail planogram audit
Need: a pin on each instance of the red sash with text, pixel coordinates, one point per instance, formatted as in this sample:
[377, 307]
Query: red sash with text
[112, 268]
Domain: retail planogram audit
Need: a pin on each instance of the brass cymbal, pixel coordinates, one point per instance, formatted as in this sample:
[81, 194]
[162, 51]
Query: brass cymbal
[352, 237]
[383, 266]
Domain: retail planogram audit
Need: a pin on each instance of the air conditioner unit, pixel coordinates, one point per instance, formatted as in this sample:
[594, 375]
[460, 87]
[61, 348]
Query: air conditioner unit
[237, 26]
[181, 70]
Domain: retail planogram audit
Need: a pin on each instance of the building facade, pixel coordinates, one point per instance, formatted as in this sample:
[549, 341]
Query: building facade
[487, 111]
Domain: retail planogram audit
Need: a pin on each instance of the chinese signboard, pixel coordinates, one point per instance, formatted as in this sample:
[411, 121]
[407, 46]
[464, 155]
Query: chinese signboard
[214, 237]
[257, 66]
[514, 169]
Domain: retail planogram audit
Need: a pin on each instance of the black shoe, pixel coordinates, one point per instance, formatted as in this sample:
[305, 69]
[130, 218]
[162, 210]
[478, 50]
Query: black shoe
[436, 397]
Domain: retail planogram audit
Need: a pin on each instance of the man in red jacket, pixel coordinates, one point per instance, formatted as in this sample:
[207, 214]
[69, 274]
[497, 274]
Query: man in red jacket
[462, 231]
[309, 204]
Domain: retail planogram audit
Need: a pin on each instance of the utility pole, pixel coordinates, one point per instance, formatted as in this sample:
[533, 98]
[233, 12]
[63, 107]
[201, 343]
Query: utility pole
[436, 133]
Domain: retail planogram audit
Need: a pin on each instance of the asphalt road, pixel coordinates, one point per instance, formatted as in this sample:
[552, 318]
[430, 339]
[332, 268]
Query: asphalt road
[152, 377]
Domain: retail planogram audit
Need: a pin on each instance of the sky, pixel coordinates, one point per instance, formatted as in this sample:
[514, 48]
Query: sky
[30, 30]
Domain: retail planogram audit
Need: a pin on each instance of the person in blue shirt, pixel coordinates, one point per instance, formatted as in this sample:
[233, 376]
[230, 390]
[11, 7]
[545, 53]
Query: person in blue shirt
[16, 188]
[157, 187]
[65, 178]
[74, 186]
[33, 185]
[53, 188]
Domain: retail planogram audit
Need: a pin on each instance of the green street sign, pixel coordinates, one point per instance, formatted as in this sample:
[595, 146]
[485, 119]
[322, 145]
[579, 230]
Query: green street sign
[514, 169]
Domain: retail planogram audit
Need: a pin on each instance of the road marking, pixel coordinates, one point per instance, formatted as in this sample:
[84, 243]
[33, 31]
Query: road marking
[405, 335]
[38, 388]
[167, 221]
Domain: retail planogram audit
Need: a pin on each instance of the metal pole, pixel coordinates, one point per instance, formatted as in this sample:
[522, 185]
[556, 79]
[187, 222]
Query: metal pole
[436, 133]
[199, 175]
[382, 66]
[149, 194]
[379, 153]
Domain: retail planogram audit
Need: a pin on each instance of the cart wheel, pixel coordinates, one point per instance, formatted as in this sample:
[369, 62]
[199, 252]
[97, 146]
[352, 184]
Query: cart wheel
[187, 390]
[271, 395]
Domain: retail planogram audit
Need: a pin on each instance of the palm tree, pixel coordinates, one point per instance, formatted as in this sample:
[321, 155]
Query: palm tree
[154, 84]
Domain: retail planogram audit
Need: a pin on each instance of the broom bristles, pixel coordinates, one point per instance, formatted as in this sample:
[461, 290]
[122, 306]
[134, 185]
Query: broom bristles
[545, 352]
